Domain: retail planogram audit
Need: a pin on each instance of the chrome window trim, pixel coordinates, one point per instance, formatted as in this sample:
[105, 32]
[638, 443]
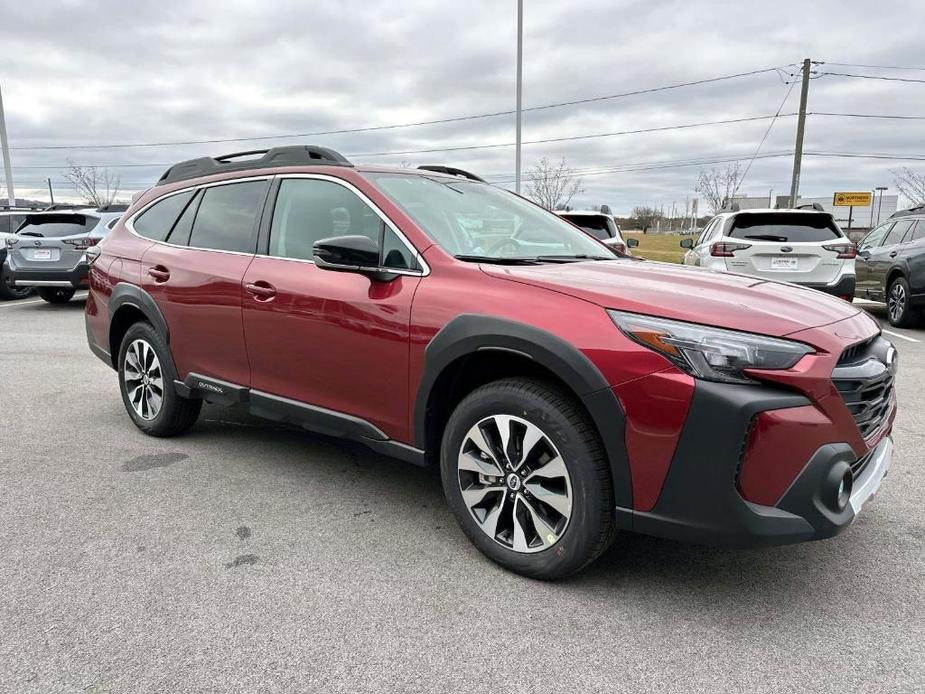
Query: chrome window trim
[130, 222]
[425, 268]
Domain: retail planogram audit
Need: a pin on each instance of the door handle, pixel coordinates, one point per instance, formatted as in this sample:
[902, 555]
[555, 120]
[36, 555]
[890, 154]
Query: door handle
[159, 273]
[260, 290]
[894, 254]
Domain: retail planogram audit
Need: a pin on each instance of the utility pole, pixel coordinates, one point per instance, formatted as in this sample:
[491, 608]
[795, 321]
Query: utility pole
[5, 147]
[520, 74]
[801, 126]
[51, 193]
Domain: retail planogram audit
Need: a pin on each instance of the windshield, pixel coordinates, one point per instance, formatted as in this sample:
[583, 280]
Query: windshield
[474, 221]
[791, 227]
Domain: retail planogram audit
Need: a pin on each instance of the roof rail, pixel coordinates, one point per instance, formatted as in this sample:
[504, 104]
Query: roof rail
[918, 209]
[291, 155]
[452, 171]
[60, 206]
[811, 206]
[113, 207]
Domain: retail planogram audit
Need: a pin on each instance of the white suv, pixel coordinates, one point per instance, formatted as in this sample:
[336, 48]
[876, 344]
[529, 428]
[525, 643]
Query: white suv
[802, 246]
[601, 226]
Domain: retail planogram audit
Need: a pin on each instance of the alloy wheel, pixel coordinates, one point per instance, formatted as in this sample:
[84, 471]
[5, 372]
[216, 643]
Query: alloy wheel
[144, 381]
[514, 483]
[896, 303]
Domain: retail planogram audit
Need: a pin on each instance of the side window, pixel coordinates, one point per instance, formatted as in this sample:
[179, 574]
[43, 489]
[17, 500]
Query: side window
[874, 237]
[897, 232]
[181, 231]
[308, 210]
[155, 222]
[227, 217]
[707, 230]
[919, 231]
[111, 223]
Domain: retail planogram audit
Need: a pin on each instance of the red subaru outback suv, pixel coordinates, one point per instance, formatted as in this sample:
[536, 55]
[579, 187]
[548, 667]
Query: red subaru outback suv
[564, 391]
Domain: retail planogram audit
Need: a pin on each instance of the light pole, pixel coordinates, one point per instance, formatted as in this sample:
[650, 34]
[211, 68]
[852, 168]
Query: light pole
[519, 88]
[5, 147]
[880, 202]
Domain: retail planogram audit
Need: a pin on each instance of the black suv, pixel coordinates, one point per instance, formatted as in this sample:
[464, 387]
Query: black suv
[890, 266]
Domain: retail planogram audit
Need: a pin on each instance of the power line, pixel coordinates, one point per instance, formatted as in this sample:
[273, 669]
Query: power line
[664, 128]
[654, 166]
[765, 137]
[866, 115]
[395, 126]
[871, 77]
[875, 67]
[870, 155]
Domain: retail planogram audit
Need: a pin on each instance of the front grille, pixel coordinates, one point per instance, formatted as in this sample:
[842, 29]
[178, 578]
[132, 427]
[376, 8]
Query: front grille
[864, 379]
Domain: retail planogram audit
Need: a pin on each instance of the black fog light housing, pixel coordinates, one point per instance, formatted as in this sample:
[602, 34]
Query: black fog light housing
[838, 485]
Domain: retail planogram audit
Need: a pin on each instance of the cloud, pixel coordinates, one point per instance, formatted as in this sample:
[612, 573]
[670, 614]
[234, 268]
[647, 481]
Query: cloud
[116, 72]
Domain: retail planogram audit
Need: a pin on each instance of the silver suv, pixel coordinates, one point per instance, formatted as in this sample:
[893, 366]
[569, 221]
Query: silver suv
[802, 246]
[49, 250]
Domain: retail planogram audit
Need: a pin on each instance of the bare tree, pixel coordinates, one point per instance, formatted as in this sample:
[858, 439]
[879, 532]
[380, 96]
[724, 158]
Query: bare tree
[97, 187]
[552, 185]
[645, 217]
[911, 184]
[718, 186]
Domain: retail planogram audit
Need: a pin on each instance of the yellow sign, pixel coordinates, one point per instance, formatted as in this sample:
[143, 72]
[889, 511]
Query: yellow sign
[852, 199]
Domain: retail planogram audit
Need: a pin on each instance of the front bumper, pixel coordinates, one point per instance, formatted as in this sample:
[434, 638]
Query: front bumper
[700, 500]
[75, 277]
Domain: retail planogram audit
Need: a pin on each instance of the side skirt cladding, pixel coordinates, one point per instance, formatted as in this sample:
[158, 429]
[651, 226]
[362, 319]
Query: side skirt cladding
[311, 417]
[471, 334]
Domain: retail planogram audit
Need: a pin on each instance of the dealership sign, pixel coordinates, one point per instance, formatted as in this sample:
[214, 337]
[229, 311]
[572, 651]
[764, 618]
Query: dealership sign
[852, 199]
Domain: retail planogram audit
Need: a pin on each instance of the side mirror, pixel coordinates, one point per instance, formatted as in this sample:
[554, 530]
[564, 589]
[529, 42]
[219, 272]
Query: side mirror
[687, 243]
[358, 254]
[632, 243]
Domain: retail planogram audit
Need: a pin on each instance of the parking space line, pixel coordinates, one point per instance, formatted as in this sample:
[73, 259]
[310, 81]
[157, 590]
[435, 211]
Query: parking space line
[902, 337]
[22, 303]
[14, 304]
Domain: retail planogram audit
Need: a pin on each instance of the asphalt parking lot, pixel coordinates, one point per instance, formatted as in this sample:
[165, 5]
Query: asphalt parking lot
[250, 557]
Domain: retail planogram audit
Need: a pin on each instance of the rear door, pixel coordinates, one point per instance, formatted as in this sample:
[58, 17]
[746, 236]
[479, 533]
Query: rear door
[786, 246]
[194, 274]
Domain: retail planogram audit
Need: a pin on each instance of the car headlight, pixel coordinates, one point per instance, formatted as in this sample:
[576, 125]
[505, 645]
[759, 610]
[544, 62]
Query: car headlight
[713, 354]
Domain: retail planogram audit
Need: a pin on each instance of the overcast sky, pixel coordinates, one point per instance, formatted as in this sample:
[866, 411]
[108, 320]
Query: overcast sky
[82, 73]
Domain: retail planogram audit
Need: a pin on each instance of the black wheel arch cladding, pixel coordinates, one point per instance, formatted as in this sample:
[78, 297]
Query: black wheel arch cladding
[125, 294]
[469, 334]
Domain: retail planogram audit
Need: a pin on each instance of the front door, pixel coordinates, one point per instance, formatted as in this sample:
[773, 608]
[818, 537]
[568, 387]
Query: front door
[334, 340]
[882, 258]
[862, 269]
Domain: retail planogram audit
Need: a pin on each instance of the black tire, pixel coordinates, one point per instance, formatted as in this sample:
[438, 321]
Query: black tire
[899, 308]
[175, 415]
[8, 290]
[590, 528]
[56, 295]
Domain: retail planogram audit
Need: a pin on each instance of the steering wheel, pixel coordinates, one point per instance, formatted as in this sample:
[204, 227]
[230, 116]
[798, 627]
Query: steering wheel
[501, 247]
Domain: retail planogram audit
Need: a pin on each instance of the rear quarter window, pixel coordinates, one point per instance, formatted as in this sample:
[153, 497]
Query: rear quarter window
[790, 227]
[156, 222]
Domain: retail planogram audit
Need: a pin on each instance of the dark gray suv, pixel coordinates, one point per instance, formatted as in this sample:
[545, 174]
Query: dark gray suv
[49, 251]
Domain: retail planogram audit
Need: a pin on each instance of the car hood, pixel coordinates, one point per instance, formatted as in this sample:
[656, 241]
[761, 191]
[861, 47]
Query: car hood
[686, 293]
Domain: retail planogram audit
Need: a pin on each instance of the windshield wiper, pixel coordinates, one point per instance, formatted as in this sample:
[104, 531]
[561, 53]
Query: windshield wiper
[766, 237]
[573, 258]
[498, 261]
